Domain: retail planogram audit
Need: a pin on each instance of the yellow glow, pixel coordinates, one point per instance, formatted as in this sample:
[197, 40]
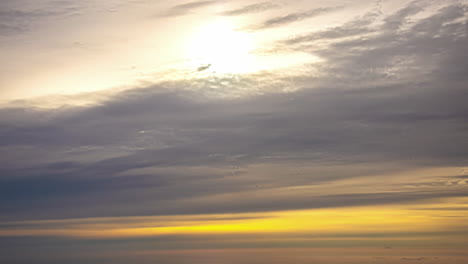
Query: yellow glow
[336, 222]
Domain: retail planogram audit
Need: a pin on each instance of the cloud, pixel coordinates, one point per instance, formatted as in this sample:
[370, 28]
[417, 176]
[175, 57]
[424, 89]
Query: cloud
[357, 27]
[186, 8]
[294, 17]
[18, 17]
[316, 126]
[16, 21]
[385, 101]
[399, 18]
[374, 134]
[253, 8]
[414, 259]
[380, 51]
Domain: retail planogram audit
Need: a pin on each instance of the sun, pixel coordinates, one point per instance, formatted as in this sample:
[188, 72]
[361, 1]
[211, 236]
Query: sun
[220, 48]
[217, 47]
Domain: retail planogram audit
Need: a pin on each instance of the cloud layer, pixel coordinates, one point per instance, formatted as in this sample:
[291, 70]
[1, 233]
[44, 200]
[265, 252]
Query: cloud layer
[381, 102]
[380, 121]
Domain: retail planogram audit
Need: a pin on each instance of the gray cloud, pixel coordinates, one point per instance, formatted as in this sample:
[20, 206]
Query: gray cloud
[253, 8]
[18, 17]
[183, 9]
[357, 27]
[294, 17]
[414, 259]
[394, 96]
[320, 126]
[396, 20]
[15, 21]
[380, 52]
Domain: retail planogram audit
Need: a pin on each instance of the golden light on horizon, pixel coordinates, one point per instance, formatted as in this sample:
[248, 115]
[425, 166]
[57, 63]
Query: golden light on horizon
[339, 222]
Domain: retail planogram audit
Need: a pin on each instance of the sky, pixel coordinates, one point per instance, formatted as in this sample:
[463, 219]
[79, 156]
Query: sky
[173, 132]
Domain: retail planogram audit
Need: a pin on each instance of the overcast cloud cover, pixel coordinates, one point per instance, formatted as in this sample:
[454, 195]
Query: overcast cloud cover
[382, 120]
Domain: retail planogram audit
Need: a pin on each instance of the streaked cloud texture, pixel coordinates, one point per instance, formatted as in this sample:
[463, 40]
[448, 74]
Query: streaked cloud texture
[345, 141]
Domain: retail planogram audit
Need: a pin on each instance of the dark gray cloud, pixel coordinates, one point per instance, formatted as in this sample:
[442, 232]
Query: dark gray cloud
[309, 126]
[186, 8]
[249, 9]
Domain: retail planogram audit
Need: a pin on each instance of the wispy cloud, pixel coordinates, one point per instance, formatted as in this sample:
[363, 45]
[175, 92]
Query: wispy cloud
[253, 8]
[183, 9]
[294, 17]
[16, 19]
[357, 27]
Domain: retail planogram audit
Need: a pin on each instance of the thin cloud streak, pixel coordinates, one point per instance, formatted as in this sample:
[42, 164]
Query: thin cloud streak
[249, 9]
[294, 17]
[183, 9]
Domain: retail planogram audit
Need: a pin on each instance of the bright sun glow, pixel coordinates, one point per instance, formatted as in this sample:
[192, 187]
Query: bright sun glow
[220, 48]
